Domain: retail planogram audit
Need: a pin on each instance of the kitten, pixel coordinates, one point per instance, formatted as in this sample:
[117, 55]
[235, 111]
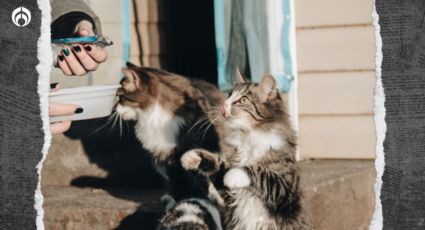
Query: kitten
[165, 108]
[257, 161]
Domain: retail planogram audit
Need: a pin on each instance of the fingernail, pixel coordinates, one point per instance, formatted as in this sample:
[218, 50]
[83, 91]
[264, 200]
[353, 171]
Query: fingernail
[88, 48]
[66, 52]
[77, 49]
[79, 110]
[53, 85]
[61, 57]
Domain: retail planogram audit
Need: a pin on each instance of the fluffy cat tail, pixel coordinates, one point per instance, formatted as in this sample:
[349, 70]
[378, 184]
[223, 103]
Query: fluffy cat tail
[190, 214]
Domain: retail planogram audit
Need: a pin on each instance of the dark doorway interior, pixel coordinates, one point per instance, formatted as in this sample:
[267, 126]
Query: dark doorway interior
[192, 42]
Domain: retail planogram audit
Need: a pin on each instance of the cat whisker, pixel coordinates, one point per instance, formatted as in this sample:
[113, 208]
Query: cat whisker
[206, 130]
[120, 119]
[201, 120]
[104, 125]
[207, 122]
[116, 115]
[210, 119]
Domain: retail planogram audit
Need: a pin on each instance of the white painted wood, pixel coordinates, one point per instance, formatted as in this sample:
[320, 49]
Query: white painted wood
[333, 12]
[344, 137]
[108, 72]
[114, 32]
[67, 82]
[107, 10]
[336, 93]
[293, 93]
[348, 48]
[275, 22]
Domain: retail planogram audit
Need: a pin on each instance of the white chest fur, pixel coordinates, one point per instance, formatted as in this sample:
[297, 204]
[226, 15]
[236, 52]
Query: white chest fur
[158, 129]
[252, 145]
[249, 212]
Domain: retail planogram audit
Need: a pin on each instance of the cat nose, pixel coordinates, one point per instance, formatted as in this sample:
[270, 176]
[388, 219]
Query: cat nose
[223, 111]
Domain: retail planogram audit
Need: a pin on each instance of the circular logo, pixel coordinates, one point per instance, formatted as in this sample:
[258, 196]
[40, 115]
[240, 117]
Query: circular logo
[21, 16]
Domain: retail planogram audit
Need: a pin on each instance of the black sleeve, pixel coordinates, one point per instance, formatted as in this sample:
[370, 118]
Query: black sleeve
[64, 26]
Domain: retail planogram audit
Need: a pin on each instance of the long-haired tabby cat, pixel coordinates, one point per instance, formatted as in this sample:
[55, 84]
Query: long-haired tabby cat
[165, 108]
[261, 181]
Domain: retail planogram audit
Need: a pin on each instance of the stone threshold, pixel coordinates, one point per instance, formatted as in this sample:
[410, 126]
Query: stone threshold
[339, 195]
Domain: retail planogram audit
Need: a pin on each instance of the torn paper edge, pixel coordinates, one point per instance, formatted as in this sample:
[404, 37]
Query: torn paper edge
[380, 125]
[44, 69]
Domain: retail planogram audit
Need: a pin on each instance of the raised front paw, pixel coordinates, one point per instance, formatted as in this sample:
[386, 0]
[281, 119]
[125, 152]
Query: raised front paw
[236, 178]
[191, 160]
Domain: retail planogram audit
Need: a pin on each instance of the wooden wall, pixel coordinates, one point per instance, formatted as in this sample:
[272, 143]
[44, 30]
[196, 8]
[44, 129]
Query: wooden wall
[109, 12]
[151, 26]
[151, 23]
[335, 55]
[335, 52]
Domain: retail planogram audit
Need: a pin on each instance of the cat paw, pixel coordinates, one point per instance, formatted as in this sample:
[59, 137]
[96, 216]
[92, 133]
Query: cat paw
[236, 178]
[190, 160]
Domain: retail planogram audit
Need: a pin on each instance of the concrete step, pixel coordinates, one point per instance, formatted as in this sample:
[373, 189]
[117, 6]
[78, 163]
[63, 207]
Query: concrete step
[339, 194]
[72, 208]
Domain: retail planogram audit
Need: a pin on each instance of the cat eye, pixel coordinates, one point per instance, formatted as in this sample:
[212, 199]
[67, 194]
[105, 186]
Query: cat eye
[244, 100]
[124, 98]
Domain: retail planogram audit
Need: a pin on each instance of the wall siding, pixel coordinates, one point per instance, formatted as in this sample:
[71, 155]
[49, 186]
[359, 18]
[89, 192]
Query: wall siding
[345, 137]
[109, 12]
[341, 48]
[335, 55]
[336, 93]
[152, 25]
[335, 52]
[313, 13]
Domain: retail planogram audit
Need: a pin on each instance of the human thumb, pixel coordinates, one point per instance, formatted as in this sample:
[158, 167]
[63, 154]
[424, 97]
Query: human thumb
[83, 33]
[84, 28]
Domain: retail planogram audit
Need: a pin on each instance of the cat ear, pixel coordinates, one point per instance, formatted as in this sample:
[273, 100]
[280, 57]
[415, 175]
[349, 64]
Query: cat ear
[268, 84]
[238, 78]
[132, 80]
[131, 65]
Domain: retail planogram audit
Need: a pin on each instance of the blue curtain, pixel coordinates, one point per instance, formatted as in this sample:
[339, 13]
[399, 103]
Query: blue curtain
[242, 41]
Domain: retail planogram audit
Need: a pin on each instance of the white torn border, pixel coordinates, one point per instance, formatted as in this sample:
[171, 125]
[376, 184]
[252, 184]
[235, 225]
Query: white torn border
[380, 125]
[44, 69]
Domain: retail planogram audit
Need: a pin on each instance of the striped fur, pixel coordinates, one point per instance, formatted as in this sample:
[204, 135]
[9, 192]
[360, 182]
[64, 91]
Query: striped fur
[191, 214]
[259, 178]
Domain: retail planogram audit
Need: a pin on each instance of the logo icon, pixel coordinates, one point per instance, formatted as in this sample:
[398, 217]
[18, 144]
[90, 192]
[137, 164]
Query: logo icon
[21, 16]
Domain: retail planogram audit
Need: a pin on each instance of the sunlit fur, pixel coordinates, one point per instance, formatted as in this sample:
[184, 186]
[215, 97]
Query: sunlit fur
[171, 117]
[257, 161]
[166, 107]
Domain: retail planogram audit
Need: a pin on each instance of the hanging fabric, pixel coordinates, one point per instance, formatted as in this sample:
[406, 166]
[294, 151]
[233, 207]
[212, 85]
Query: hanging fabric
[256, 37]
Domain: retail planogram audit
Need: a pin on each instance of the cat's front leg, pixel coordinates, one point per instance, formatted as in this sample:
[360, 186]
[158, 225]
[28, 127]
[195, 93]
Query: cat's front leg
[236, 178]
[278, 190]
[201, 160]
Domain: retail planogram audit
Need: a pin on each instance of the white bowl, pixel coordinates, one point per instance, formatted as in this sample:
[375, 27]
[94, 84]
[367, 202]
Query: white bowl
[96, 101]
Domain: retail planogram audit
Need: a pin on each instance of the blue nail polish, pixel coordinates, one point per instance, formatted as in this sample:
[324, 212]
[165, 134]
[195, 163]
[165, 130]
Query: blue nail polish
[66, 52]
